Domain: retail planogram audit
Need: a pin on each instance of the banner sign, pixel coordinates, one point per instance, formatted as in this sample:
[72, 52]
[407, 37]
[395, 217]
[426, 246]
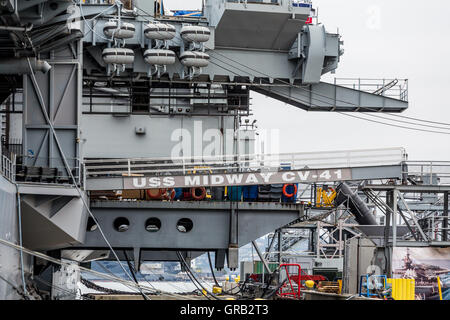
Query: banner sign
[238, 179]
[429, 266]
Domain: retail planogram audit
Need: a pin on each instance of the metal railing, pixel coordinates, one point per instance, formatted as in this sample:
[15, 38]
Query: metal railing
[390, 88]
[294, 3]
[13, 146]
[8, 167]
[434, 227]
[275, 2]
[244, 163]
[44, 170]
[430, 172]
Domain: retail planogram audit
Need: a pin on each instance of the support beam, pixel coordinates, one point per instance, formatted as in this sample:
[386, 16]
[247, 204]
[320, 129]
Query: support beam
[269, 249]
[421, 244]
[394, 218]
[234, 212]
[266, 265]
[219, 261]
[54, 98]
[280, 249]
[446, 216]
[409, 188]
[387, 249]
[329, 97]
[413, 217]
[209, 221]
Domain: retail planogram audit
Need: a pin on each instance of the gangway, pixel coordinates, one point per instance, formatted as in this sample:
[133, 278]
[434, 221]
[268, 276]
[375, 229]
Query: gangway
[240, 170]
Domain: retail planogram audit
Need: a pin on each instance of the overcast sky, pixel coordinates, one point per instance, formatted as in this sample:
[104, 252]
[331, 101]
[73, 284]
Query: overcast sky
[383, 39]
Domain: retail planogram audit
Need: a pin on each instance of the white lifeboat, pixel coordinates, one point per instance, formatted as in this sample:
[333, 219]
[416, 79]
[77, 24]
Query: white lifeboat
[160, 31]
[195, 33]
[159, 57]
[118, 56]
[126, 30]
[194, 59]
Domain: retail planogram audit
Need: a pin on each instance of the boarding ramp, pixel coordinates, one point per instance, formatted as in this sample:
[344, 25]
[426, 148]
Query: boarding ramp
[344, 95]
[429, 172]
[240, 170]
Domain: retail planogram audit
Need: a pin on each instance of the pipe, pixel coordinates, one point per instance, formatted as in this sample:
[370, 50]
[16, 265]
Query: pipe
[20, 66]
[27, 28]
[357, 206]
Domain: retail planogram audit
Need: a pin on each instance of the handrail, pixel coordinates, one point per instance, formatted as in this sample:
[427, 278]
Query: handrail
[8, 168]
[430, 169]
[390, 88]
[246, 163]
[399, 149]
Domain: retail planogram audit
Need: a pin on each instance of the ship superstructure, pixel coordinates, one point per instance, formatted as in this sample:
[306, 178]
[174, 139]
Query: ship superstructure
[125, 133]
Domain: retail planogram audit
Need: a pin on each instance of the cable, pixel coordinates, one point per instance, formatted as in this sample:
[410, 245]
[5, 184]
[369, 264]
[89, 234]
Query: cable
[270, 281]
[310, 91]
[212, 270]
[19, 292]
[68, 292]
[181, 290]
[192, 279]
[189, 271]
[392, 125]
[407, 122]
[177, 288]
[62, 263]
[270, 295]
[111, 273]
[417, 119]
[132, 270]
[86, 22]
[93, 286]
[307, 102]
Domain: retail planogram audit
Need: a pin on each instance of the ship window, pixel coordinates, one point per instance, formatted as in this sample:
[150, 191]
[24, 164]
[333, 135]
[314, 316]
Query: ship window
[91, 225]
[153, 225]
[185, 225]
[121, 224]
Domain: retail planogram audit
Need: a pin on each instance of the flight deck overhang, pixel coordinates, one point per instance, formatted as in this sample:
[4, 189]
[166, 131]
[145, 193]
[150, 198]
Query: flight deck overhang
[327, 97]
[244, 24]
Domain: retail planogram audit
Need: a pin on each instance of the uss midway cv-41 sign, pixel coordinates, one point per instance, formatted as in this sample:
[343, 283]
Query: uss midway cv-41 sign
[237, 179]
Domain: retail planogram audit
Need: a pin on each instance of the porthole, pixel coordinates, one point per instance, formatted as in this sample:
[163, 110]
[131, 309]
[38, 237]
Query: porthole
[185, 225]
[121, 224]
[91, 225]
[153, 225]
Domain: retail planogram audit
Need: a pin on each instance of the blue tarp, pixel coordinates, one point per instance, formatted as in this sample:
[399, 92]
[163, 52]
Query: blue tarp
[190, 13]
[302, 5]
[250, 193]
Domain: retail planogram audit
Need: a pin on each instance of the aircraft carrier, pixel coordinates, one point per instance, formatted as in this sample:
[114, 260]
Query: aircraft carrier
[127, 136]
